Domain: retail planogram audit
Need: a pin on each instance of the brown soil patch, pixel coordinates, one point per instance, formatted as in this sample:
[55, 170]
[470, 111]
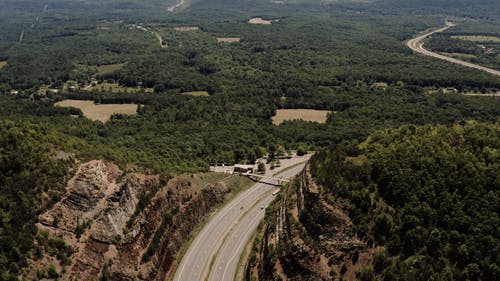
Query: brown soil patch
[259, 21]
[187, 28]
[100, 112]
[313, 115]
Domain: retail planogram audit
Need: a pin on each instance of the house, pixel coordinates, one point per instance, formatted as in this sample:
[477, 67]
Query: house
[243, 168]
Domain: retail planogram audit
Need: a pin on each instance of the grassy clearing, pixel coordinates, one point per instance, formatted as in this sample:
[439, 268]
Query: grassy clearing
[478, 38]
[114, 87]
[100, 112]
[198, 181]
[313, 115]
[228, 39]
[186, 28]
[3, 64]
[197, 94]
[109, 68]
[459, 55]
[259, 21]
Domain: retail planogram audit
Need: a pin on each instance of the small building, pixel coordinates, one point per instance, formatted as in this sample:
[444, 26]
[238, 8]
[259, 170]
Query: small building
[244, 168]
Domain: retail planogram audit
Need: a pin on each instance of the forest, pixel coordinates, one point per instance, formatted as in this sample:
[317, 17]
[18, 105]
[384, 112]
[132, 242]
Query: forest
[348, 58]
[428, 195]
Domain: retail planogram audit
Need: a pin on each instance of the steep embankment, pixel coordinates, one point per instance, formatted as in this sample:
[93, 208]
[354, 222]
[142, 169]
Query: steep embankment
[123, 225]
[415, 203]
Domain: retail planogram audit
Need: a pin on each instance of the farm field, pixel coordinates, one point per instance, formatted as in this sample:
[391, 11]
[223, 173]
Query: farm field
[114, 88]
[228, 39]
[312, 115]
[99, 112]
[186, 28]
[197, 94]
[109, 68]
[478, 38]
[259, 21]
[3, 64]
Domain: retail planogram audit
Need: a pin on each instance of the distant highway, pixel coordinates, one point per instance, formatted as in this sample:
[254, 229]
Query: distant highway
[214, 254]
[417, 45]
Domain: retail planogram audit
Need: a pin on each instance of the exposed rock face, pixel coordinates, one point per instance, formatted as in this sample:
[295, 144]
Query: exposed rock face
[131, 225]
[305, 239]
[86, 191]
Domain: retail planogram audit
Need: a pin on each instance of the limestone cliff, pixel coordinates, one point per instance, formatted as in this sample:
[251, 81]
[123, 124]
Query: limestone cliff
[125, 226]
[306, 237]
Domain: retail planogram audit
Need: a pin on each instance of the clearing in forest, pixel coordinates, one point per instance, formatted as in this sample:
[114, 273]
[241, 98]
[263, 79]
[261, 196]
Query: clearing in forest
[99, 112]
[478, 38]
[109, 68]
[114, 88]
[228, 39]
[3, 64]
[187, 28]
[313, 115]
[197, 94]
[259, 21]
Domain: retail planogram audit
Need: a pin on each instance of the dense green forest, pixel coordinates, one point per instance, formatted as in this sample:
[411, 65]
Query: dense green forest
[429, 195]
[31, 179]
[345, 56]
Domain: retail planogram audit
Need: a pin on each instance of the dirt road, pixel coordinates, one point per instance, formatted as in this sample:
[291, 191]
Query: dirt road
[215, 252]
[417, 45]
[176, 6]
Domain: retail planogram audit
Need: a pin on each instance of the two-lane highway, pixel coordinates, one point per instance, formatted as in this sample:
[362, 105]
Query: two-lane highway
[215, 252]
[417, 45]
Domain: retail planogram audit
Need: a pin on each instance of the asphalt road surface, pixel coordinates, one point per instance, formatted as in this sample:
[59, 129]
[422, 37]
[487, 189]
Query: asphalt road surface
[417, 45]
[216, 251]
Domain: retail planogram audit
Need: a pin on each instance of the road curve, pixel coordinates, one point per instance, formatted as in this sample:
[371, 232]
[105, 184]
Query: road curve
[417, 45]
[216, 250]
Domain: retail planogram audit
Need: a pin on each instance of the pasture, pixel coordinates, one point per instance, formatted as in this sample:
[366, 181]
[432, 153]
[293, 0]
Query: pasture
[109, 68]
[312, 115]
[228, 39]
[99, 112]
[197, 94]
[478, 38]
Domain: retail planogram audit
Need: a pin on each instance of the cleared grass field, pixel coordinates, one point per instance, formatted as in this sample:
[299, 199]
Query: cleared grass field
[259, 21]
[478, 38]
[3, 64]
[197, 94]
[186, 28]
[114, 87]
[228, 39]
[99, 112]
[109, 68]
[313, 115]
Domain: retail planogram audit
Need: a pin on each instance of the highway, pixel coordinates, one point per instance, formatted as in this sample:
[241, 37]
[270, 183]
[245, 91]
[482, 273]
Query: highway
[215, 252]
[417, 45]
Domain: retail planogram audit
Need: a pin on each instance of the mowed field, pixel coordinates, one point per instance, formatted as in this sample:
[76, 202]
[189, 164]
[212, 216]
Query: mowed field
[228, 39]
[114, 88]
[3, 64]
[259, 21]
[312, 115]
[197, 94]
[478, 38]
[99, 112]
[109, 68]
[186, 28]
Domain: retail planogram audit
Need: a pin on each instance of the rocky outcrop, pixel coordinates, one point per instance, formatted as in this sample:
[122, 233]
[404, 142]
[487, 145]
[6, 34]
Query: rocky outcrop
[87, 192]
[129, 225]
[305, 238]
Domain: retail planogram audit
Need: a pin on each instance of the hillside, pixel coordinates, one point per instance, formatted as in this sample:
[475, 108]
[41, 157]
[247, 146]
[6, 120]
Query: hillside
[415, 203]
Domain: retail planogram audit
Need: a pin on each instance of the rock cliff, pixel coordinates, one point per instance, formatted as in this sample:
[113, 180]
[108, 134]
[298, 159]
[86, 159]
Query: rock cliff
[125, 226]
[306, 237]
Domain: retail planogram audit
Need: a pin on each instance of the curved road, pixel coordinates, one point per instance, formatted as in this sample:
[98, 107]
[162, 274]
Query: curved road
[215, 252]
[417, 45]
